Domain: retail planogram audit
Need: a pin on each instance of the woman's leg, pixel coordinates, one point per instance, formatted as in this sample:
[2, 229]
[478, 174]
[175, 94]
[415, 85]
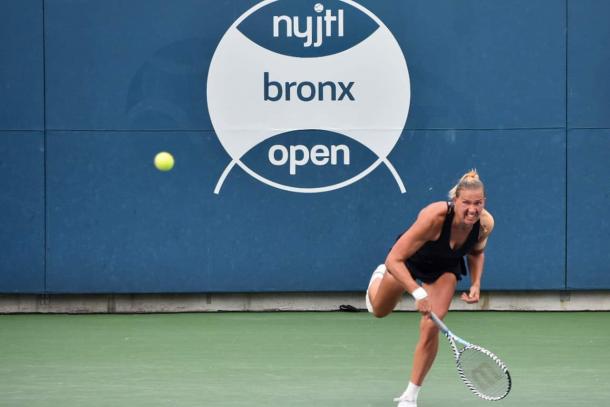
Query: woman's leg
[384, 293]
[440, 293]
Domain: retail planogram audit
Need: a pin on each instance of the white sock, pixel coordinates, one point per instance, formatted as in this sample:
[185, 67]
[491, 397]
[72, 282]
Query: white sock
[411, 393]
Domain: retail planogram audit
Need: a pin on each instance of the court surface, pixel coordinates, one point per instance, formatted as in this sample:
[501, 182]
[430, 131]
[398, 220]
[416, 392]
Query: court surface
[291, 359]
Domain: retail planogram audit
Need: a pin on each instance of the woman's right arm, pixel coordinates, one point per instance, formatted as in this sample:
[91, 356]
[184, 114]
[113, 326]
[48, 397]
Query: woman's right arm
[425, 228]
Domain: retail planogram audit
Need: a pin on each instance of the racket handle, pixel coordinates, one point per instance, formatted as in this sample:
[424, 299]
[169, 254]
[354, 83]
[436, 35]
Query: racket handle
[441, 325]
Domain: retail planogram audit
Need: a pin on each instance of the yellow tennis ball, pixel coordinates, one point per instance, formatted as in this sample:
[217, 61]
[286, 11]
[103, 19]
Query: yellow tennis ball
[164, 161]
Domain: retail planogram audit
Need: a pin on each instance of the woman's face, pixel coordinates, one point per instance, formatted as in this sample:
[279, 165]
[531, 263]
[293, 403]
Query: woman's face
[469, 205]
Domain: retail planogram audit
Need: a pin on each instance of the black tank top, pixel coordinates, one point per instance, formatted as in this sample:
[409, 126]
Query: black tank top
[438, 256]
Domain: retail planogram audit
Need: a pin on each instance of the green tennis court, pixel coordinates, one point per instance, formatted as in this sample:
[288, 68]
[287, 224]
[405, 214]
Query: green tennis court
[290, 359]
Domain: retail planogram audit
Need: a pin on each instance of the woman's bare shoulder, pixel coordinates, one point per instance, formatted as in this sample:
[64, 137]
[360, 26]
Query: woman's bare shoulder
[433, 213]
[487, 222]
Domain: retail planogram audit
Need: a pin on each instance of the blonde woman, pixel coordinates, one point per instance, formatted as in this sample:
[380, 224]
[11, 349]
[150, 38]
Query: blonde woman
[432, 252]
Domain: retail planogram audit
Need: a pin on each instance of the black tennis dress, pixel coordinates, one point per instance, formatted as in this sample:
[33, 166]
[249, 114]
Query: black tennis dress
[436, 257]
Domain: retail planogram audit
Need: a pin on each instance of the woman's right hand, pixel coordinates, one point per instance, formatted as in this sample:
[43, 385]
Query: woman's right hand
[423, 306]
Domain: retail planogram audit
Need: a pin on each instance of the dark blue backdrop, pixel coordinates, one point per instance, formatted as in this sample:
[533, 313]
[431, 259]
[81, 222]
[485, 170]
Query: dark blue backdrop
[90, 91]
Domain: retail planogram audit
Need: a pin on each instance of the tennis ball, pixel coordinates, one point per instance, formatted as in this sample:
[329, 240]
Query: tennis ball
[164, 161]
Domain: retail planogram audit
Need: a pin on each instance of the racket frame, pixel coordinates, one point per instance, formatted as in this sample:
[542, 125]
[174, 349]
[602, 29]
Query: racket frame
[453, 338]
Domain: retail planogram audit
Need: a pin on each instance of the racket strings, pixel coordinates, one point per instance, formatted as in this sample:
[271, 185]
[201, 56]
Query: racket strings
[484, 373]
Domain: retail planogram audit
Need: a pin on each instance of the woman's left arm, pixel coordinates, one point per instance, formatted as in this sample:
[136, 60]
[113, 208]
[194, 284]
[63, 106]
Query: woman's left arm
[476, 259]
[475, 265]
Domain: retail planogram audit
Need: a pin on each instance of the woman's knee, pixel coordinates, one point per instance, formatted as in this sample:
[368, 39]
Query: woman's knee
[386, 297]
[380, 312]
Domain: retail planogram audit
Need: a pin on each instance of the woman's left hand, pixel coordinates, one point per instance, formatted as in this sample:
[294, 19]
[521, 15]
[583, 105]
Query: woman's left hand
[473, 296]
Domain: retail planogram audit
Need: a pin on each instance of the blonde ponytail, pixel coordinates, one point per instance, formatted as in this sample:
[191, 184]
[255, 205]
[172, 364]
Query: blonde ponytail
[470, 180]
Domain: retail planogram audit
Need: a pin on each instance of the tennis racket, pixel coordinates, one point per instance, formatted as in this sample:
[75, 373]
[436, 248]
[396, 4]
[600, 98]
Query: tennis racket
[482, 371]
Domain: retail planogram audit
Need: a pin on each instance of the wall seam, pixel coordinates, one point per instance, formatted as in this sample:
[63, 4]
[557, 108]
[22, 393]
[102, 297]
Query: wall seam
[565, 276]
[44, 108]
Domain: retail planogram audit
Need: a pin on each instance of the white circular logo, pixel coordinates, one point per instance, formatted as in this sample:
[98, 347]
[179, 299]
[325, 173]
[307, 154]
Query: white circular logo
[308, 96]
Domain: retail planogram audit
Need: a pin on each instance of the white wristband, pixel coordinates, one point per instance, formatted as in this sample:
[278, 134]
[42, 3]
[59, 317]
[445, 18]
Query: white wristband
[419, 293]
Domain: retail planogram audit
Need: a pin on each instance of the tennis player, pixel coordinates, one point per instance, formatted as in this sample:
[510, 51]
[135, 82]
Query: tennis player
[432, 252]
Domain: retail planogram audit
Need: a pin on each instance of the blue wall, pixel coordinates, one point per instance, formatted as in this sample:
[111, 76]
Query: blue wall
[90, 91]
[22, 138]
